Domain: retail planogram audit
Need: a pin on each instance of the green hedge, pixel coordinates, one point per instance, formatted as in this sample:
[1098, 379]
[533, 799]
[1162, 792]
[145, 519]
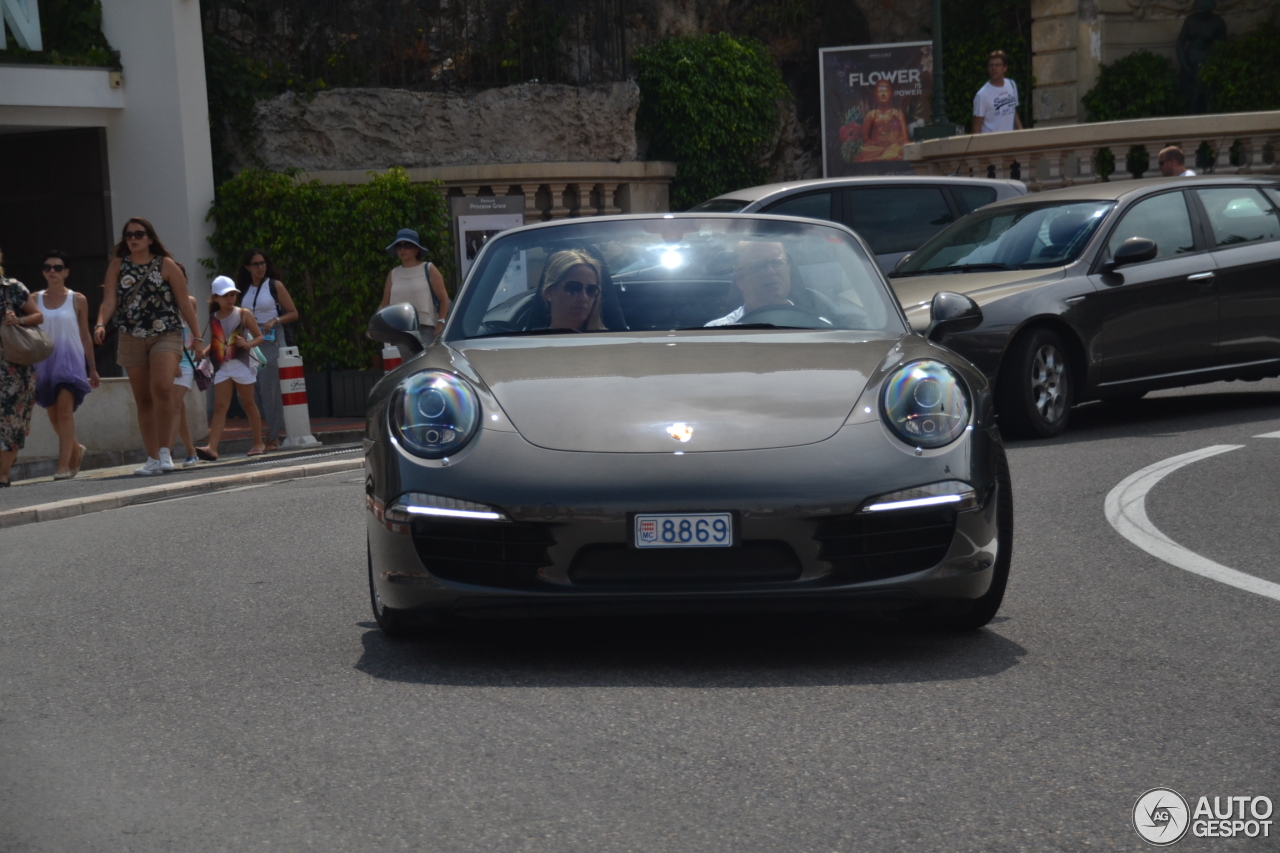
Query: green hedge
[710, 103]
[1236, 72]
[71, 33]
[328, 243]
[1140, 85]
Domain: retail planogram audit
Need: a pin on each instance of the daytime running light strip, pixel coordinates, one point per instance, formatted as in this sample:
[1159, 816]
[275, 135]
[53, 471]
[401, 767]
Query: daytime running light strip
[932, 501]
[452, 513]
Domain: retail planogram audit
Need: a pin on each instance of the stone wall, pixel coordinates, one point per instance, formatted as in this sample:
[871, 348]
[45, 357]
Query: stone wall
[377, 128]
[1072, 38]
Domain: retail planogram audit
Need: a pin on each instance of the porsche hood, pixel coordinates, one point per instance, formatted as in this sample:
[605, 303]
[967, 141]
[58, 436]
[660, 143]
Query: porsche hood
[676, 392]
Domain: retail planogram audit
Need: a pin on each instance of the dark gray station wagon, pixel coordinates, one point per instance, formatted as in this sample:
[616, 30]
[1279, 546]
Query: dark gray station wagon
[1108, 291]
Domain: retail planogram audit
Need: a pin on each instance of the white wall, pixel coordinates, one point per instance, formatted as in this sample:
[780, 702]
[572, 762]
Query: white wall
[158, 146]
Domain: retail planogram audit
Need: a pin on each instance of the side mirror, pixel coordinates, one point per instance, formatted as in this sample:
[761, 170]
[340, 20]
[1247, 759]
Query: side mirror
[951, 312]
[1132, 251]
[397, 325]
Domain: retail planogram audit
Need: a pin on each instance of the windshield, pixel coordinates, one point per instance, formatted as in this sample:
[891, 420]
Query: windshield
[682, 272]
[720, 205]
[1012, 237]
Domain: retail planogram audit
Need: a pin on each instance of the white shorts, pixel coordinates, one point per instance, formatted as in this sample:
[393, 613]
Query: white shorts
[188, 376]
[237, 371]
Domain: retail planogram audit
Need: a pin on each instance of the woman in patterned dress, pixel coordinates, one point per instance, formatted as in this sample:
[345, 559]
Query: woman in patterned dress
[146, 291]
[17, 381]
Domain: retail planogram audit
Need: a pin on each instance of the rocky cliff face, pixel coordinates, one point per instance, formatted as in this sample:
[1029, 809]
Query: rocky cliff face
[376, 128]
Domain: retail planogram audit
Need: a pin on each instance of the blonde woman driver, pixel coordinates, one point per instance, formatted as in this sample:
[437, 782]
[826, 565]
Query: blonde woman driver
[233, 332]
[571, 289]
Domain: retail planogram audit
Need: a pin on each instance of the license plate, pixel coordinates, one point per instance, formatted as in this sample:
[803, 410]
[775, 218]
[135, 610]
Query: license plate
[684, 530]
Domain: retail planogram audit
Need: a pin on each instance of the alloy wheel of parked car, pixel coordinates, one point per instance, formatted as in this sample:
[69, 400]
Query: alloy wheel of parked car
[1035, 389]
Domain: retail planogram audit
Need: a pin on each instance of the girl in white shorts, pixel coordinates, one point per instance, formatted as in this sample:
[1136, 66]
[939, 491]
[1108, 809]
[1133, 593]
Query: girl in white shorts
[235, 332]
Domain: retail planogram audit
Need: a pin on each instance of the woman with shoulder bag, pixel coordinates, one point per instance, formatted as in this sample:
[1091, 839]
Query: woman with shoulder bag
[17, 381]
[149, 290]
[64, 378]
[272, 306]
[418, 282]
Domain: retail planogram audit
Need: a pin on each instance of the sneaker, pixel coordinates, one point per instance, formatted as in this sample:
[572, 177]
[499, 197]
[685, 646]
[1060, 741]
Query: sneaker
[152, 467]
[191, 462]
[166, 459]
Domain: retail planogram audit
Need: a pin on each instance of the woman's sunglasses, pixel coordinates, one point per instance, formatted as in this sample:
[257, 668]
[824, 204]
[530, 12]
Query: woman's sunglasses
[575, 288]
[54, 267]
[134, 235]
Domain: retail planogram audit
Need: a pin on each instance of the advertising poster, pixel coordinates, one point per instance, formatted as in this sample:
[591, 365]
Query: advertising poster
[477, 218]
[873, 97]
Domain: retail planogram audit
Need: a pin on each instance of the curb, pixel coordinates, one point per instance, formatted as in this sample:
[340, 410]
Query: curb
[115, 500]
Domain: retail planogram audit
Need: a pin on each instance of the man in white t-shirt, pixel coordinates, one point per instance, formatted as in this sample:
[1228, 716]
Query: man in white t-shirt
[995, 107]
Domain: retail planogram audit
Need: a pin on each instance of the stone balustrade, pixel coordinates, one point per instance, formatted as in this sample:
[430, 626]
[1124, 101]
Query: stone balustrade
[550, 190]
[1051, 157]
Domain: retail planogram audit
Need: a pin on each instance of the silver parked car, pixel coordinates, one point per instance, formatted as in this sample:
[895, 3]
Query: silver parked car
[895, 214]
[682, 413]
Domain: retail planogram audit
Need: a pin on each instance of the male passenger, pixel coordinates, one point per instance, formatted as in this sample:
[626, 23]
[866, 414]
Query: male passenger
[995, 107]
[763, 276]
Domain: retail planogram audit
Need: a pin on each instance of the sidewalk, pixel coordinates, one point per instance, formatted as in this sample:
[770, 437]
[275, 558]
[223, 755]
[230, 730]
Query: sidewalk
[235, 441]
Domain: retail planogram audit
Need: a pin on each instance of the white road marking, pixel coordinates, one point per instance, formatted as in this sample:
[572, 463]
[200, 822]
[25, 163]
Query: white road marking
[1127, 511]
[1269, 435]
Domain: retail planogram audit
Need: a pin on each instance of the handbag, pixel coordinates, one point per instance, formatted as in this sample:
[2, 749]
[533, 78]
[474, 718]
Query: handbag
[25, 344]
[201, 371]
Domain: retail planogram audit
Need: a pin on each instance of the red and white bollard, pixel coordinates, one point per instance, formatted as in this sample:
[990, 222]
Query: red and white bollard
[293, 393]
[390, 357]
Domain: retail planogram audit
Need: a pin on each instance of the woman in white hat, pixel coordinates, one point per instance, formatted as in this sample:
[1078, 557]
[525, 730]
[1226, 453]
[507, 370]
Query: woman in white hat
[418, 282]
[234, 332]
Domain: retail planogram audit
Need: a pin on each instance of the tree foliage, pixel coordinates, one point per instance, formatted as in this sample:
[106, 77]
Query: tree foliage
[1236, 72]
[328, 244]
[710, 103]
[971, 29]
[1140, 85]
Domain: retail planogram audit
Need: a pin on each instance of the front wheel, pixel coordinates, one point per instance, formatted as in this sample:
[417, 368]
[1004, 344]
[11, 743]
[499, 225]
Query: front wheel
[1036, 387]
[972, 615]
[391, 622]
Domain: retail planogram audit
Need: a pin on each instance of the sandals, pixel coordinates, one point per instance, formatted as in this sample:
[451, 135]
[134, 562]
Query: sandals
[206, 454]
[271, 445]
[255, 452]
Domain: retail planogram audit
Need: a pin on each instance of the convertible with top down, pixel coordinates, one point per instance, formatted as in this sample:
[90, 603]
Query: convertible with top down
[683, 413]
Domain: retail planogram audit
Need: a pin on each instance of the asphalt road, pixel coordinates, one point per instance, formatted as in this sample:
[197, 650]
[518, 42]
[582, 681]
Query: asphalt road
[204, 674]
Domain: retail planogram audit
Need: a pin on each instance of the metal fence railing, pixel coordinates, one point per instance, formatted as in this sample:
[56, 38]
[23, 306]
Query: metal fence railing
[427, 44]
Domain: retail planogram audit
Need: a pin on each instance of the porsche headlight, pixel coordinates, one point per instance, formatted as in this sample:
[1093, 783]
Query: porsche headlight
[926, 404]
[434, 413]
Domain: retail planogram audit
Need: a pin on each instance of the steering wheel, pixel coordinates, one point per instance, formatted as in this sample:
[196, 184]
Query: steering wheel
[786, 315]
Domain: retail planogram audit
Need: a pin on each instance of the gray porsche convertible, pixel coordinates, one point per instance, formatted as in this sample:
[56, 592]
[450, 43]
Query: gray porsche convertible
[677, 413]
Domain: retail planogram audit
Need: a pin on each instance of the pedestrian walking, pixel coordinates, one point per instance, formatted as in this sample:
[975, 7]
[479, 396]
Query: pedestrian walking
[182, 384]
[233, 333]
[995, 107]
[418, 282]
[1173, 163]
[145, 291]
[272, 306]
[65, 377]
[17, 381]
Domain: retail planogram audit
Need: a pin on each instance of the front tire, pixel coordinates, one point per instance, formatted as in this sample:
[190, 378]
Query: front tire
[972, 615]
[1036, 387]
[391, 622]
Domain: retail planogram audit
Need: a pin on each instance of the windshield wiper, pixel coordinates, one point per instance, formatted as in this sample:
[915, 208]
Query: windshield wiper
[960, 268]
[746, 326]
